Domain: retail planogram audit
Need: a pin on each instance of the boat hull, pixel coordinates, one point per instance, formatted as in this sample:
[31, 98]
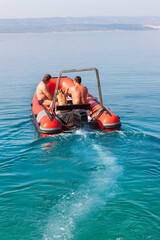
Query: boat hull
[101, 118]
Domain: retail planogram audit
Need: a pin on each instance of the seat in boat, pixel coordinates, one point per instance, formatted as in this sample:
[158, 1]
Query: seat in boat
[85, 106]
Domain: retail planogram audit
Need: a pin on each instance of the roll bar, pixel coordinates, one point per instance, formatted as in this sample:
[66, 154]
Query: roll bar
[77, 70]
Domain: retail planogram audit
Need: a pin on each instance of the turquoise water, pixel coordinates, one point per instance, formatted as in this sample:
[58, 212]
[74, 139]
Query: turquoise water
[86, 185]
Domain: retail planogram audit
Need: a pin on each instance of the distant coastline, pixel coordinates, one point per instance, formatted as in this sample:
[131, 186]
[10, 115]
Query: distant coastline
[152, 26]
[73, 24]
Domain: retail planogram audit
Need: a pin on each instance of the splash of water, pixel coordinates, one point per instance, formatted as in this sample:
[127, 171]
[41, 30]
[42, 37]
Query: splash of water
[76, 206]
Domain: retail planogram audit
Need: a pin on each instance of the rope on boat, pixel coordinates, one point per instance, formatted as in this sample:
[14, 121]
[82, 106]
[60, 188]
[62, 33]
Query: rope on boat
[100, 110]
[98, 113]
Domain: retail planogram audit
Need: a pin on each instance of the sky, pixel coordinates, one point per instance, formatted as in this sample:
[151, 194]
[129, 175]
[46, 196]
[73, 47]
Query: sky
[77, 8]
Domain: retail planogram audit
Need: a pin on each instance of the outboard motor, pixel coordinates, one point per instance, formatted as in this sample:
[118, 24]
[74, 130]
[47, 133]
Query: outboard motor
[80, 118]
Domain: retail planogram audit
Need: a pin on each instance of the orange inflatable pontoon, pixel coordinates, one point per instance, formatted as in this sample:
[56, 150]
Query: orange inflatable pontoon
[92, 115]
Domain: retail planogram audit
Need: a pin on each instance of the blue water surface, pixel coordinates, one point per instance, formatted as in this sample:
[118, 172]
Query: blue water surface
[86, 185]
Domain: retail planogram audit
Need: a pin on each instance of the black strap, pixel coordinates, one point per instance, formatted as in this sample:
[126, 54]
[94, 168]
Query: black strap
[48, 113]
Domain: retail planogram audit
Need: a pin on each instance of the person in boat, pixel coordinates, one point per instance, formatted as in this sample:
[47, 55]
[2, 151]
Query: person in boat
[65, 115]
[61, 99]
[78, 92]
[79, 96]
[43, 95]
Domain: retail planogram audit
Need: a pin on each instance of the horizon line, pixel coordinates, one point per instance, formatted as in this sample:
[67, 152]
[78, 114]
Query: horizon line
[13, 18]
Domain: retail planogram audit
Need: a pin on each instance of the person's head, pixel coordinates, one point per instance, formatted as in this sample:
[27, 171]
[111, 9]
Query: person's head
[60, 91]
[77, 79]
[46, 78]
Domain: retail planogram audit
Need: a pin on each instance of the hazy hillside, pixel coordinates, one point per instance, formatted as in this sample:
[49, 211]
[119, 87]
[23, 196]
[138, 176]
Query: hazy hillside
[59, 24]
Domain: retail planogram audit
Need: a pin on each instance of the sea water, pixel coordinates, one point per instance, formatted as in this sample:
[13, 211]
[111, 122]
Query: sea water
[86, 185]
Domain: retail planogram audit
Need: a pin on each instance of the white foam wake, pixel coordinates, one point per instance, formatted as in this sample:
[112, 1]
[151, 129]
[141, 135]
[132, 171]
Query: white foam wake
[76, 206]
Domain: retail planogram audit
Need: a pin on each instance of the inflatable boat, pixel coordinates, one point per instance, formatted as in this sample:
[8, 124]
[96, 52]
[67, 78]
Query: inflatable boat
[92, 116]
